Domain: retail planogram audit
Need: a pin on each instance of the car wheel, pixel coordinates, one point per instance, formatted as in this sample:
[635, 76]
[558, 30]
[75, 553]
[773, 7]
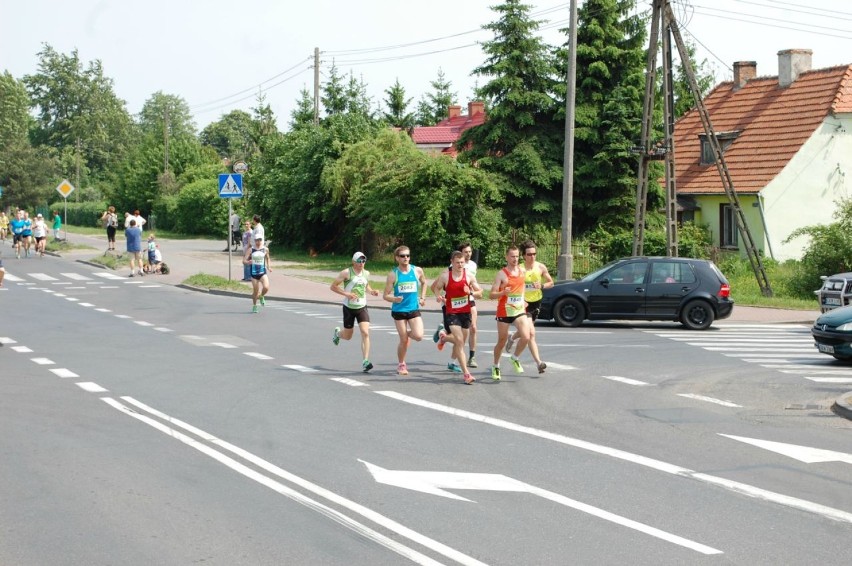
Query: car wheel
[697, 315]
[569, 312]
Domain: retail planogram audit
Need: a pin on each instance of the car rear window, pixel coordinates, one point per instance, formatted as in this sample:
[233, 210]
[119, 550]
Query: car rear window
[722, 278]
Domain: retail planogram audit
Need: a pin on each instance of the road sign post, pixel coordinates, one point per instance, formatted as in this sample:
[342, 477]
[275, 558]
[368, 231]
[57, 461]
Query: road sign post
[230, 187]
[65, 188]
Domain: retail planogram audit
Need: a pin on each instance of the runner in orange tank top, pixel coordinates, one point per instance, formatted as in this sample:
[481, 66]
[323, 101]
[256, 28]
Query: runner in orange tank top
[511, 309]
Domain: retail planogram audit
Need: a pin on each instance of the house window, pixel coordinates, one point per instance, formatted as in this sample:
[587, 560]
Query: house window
[728, 233]
[725, 140]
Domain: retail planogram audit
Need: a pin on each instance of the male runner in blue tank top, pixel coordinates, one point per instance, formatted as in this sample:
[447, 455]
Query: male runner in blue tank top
[405, 289]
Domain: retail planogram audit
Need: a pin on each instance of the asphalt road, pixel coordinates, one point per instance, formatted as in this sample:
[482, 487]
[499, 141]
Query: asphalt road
[146, 424]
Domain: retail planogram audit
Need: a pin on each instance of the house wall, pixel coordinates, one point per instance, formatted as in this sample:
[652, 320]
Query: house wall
[708, 215]
[807, 189]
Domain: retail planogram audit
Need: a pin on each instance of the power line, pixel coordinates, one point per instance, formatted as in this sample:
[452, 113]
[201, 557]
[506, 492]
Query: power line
[233, 102]
[761, 21]
[250, 89]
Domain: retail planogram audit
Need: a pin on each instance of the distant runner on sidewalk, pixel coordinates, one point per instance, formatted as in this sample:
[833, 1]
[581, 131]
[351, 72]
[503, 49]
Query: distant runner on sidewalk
[354, 284]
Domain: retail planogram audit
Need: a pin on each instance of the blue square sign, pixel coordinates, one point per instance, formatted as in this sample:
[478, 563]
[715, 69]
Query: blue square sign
[230, 185]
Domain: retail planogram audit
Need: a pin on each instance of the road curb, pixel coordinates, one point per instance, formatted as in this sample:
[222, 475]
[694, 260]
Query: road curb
[843, 406]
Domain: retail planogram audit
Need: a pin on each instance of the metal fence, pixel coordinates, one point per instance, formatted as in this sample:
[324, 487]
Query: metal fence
[586, 258]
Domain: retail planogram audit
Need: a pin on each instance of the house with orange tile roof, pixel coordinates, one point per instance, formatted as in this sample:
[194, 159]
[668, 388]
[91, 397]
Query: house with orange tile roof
[787, 141]
[442, 137]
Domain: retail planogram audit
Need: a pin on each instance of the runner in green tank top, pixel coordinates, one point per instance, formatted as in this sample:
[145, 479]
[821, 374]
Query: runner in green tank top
[354, 284]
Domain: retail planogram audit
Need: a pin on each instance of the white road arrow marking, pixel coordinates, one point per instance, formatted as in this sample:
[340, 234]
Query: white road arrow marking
[804, 454]
[436, 482]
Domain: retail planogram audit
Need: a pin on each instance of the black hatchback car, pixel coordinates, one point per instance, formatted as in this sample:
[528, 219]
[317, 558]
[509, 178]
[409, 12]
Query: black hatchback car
[692, 291]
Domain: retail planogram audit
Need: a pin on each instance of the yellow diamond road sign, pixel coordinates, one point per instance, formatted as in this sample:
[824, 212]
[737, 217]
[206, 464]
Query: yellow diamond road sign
[65, 188]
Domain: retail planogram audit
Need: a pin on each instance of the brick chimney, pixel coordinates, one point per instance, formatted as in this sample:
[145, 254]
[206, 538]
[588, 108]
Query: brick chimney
[792, 63]
[744, 71]
[454, 111]
[475, 107]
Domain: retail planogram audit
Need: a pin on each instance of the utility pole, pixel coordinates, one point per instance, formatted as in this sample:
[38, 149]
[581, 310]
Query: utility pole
[316, 85]
[77, 171]
[565, 269]
[165, 142]
[663, 17]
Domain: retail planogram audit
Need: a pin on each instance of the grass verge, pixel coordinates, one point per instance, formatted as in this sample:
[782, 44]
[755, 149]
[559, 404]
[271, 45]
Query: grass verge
[206, 281]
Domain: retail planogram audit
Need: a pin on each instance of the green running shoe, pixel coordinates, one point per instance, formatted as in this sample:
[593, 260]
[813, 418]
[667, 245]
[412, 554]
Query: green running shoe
[254, 308]
[437, 335]
[262, 301]
[336, 338]
[495, 373]
[516, 364]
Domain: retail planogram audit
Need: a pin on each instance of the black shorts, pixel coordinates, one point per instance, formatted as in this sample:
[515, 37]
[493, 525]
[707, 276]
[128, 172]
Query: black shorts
[258, 277]
[509, 319]
[39, 238]
[351, 315]
[111, 233]
[458, 319]
[237, 237]
[396, 315]
[17, 238]
[534, 309]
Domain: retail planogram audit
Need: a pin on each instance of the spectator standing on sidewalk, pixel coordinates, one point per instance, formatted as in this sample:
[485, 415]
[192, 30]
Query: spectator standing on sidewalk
[405, 289]
[354, 284]
[133, 234]
[110, 221]
[257, 230]
[246, 245]
[57, 225]
[234, 233]
[258, 258]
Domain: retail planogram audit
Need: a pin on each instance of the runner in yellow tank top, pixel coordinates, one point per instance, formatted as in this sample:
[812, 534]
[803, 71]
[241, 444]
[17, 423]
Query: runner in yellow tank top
[508, 287]
[537, 277]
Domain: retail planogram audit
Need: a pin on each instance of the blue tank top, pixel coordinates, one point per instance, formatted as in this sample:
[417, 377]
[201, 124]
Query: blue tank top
[408, 287]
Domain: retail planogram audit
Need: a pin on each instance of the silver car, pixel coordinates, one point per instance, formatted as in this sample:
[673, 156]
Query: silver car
[836, 291]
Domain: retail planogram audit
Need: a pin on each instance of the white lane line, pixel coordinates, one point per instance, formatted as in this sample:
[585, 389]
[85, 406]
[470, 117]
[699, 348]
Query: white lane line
[103, 310]
[352, 382]
[163, 329]
[554, 365]
[43, 277]
[47, 290]
[291, 493]
[222, 344]
[142, 323]
[626, 380]
[69, 288]
[62, 283]
[149, 286]
[7, 340]
[125, 316]
[22, 349]
[86, 304]
[42, 361]
[106, 287]
[708, 399]
[659, 465]
[108, 275]
[758, 354]
[91, 387]
[62, 372]
[72, 299]
[813, 369]
[15, 278]
[58, 295]
[822, 366]
[712, 347]
[302, 369]
[258, 355]
[831, 379]
[76, 276]
[750, 341]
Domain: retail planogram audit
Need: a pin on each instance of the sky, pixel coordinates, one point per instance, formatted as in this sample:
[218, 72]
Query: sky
[219, 55]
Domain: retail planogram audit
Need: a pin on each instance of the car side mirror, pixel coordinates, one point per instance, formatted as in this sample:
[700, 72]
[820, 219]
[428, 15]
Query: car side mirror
[604, 282]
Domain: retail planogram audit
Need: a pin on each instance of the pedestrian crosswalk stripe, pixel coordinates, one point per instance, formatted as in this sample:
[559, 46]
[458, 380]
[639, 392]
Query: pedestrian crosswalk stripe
[76, 276]
[302, 369]
[42, 277]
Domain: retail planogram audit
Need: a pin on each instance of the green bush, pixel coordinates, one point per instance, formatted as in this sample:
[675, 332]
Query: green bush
[80, 213]
[613, 243]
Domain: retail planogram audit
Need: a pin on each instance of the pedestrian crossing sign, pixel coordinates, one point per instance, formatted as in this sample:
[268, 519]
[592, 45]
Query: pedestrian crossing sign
[230, 185]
